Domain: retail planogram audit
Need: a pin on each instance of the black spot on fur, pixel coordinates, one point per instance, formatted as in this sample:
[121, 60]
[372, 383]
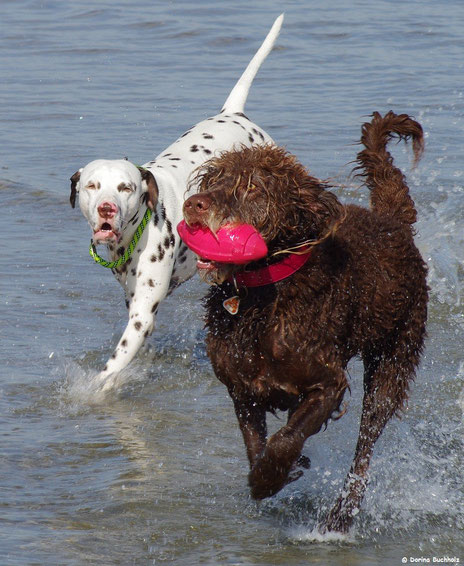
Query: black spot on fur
[194, 148]
[169, 226]
[154, 308]
[114, 355]
[238, 124]
[251, 138]
[151, 283]
[153, 258]
[138, 325]
[133, 271]
[166, 242]
[124, 343]
[174, 159]
[208, 136]
[120, 251]
[241, 114]
[163, 212]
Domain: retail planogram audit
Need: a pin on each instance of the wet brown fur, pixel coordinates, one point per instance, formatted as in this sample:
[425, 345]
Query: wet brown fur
[363, 292]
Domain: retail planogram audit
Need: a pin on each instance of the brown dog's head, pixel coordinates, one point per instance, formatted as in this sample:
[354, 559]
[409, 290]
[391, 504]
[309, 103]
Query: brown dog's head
[266, 187]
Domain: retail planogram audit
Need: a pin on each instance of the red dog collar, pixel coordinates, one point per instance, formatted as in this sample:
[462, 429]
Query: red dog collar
[275, 272]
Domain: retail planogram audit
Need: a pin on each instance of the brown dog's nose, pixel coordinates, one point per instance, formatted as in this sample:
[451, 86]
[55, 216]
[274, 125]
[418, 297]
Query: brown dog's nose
[107, 209]
[196, 207]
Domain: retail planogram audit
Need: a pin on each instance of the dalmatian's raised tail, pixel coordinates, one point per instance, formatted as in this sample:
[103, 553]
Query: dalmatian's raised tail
[238, 96]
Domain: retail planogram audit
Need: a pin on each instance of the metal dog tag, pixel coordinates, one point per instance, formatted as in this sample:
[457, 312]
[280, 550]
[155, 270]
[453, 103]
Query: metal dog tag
[232, 304]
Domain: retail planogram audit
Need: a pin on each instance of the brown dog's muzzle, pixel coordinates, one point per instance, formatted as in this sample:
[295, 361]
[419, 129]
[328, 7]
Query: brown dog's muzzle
[196, 209]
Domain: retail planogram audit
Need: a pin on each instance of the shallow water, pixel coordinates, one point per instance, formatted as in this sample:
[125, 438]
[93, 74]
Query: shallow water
[156, 473]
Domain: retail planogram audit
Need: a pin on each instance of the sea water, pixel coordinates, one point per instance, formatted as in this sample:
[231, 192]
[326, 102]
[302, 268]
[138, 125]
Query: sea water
[155, 471]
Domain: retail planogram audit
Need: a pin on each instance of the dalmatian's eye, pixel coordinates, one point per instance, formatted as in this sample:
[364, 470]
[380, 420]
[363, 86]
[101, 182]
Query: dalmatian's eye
[123, 188]
[91, 186]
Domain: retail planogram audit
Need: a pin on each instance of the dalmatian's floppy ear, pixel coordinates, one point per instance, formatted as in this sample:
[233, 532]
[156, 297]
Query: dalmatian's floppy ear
[151, 187]
[74, 180]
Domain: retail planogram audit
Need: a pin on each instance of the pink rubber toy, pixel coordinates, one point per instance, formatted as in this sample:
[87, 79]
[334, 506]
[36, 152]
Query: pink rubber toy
[231, 244]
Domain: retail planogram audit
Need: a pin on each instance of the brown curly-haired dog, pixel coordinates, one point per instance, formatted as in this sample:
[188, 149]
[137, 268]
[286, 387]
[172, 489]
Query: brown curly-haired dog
[357, 286]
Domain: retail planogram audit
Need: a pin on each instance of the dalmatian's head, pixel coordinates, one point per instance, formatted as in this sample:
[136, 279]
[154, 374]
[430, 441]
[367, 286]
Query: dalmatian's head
[110, 194]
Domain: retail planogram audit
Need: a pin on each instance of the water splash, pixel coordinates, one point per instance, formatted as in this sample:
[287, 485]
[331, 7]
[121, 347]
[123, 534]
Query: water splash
[80, 389]
[300, 534]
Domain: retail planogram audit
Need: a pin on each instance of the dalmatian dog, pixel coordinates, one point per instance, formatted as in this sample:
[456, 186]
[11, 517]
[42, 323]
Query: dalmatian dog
[114, 196]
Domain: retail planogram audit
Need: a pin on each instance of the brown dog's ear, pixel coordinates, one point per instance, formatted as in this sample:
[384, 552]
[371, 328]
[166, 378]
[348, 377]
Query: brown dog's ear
[152, 187]
[74, 180]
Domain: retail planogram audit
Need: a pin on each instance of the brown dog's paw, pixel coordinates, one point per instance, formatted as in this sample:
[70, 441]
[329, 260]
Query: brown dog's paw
[340, 518]
[303, 462]
[266, 479]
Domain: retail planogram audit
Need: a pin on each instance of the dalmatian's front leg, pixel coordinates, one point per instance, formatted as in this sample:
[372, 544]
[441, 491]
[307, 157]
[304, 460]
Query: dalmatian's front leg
[147, 288]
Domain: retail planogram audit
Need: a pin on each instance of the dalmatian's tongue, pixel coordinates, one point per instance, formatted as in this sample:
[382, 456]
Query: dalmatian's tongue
[105, 234]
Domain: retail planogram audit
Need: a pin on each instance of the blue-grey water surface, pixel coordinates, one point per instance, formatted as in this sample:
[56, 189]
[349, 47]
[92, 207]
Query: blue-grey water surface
[155, 473]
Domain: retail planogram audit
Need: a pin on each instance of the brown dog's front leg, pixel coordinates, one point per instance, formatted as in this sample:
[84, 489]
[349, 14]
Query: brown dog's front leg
[271, 472]
[252, 420]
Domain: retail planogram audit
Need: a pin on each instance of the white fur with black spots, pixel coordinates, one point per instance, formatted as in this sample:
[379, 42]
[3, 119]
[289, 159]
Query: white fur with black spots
[114, 195]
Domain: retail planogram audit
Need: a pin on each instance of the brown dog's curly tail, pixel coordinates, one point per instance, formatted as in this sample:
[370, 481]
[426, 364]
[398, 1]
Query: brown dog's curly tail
[389, 191]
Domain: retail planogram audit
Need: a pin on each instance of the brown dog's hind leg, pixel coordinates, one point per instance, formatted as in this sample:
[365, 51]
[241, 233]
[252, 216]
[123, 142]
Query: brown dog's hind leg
[275, 467]
[386, 385]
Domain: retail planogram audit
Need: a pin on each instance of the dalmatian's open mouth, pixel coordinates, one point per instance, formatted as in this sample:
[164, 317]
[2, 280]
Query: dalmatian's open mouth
[106, 233]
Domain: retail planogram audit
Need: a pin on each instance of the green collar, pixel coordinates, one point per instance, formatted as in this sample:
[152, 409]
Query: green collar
[126, 255]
